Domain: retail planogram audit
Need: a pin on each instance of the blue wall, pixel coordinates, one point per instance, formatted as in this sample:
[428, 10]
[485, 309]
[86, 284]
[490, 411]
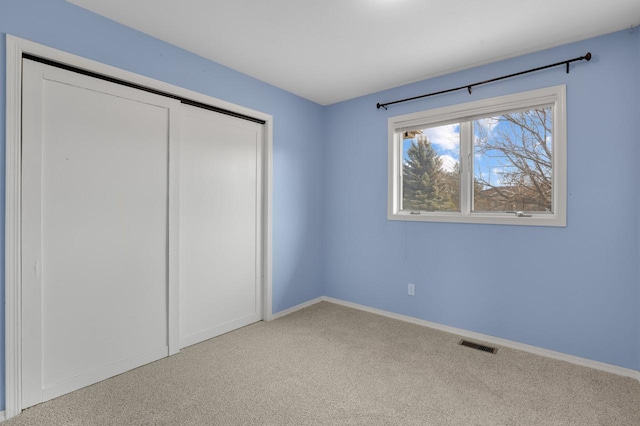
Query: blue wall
[298, 128]
[574, 290]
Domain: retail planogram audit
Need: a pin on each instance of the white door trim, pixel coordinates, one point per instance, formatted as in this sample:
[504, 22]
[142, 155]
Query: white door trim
[16, 47]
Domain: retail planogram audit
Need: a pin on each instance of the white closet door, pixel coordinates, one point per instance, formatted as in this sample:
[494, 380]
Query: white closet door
[94, 228]
[220, 224]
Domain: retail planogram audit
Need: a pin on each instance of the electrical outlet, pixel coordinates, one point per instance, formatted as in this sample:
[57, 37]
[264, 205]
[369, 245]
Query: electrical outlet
[411, 289]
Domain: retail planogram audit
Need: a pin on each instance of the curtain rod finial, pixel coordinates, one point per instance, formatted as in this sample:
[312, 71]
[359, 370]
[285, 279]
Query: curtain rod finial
[588, 56]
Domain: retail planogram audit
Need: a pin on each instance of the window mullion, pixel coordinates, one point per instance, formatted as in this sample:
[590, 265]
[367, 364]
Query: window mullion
[400, 167]
[466, 169]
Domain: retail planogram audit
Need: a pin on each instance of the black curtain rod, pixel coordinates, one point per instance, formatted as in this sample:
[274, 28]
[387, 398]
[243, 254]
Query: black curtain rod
[469, 86]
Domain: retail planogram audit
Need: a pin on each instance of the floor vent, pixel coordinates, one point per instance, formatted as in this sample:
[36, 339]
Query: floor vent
[478, 346]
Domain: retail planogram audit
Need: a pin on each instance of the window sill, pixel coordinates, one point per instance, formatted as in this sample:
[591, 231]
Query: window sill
[481, 218]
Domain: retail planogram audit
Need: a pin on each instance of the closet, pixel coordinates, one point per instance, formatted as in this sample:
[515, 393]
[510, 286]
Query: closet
[141, 228]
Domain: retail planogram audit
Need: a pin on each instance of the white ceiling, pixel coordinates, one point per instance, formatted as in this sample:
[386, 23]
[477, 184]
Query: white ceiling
[333, 50]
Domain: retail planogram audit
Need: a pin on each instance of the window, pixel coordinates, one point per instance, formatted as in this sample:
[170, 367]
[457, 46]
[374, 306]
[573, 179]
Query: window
[499, 161]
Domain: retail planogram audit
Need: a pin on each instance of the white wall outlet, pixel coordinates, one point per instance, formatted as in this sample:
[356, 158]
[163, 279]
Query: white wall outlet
[411, 289]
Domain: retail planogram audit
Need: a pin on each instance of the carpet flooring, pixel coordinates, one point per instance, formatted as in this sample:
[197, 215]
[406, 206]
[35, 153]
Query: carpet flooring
[332, 365]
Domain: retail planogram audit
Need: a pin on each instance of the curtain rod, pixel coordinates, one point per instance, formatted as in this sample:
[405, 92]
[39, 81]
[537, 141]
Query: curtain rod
[586, 57]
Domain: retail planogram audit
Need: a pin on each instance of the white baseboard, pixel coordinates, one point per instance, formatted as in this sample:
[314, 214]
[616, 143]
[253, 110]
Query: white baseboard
[3, 416]
[597, 365]
[298, 307]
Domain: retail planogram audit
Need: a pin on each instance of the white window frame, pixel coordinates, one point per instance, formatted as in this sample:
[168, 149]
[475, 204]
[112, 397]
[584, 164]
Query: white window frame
[554, 96]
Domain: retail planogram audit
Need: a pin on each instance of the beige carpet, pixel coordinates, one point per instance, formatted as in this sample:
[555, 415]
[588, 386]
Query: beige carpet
[331, 365]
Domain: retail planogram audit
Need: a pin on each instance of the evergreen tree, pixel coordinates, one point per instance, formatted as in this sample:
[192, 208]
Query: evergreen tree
[424, 180]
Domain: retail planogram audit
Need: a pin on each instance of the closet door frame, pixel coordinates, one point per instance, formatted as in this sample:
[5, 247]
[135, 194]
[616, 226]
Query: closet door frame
[16, 48]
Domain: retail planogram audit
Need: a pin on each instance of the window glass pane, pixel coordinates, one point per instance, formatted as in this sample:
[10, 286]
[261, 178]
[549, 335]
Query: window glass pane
[513, 161]
[431, 169]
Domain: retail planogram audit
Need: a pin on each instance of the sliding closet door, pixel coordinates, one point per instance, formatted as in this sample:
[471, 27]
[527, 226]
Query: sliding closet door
[94, 230]
[220, 224]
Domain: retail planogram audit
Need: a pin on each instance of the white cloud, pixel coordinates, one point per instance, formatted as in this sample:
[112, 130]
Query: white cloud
[488, 123]
[444, 137]
[448, 163]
